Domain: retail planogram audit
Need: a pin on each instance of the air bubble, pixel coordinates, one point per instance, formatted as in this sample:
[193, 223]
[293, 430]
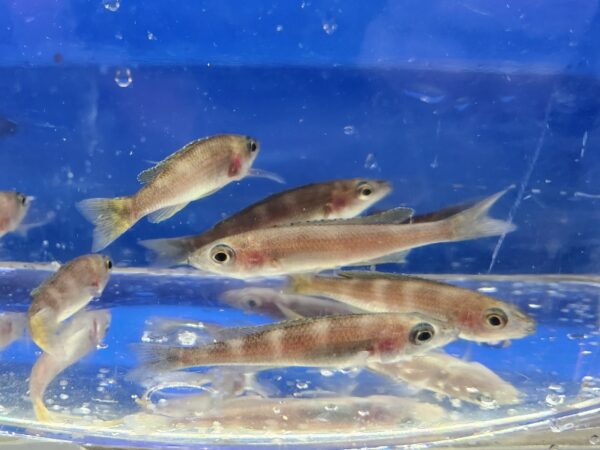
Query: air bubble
[331, 407]
[123, 77]
[112, 5]
[371, 162]
[326, 373]
[329, 27]
[349, 130]
[151, 36]
[279, 28]
[364, 413]
[64, 396]
[594, 439]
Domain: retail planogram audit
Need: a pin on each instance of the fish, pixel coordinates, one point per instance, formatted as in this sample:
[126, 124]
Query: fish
[199, 169]
[62, 295]
[336, 199]
[477, 317]
[331, 341]
[439, 372]
[277, 304]
[12, 327]
[316, 246]
[78, 338]
[327, 414]
[13, 209]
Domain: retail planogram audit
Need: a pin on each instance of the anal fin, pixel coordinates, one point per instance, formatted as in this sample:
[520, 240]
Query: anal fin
[165, 213]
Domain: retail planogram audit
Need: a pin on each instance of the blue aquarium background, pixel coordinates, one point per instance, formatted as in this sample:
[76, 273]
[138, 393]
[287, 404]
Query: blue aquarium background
[448, 100]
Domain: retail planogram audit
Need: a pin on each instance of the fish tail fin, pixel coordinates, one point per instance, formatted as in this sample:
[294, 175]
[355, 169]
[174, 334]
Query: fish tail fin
[299, 284]
[40, 330]
[169, 252]
[42, 413]
[161, 358]
[476, 223]
[111, 216]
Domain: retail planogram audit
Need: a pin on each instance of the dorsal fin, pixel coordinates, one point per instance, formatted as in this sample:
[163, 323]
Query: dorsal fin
[364, 275]
[146, 176]
[391, 216]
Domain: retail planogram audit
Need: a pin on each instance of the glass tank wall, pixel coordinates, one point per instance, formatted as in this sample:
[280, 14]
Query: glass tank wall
[449, 102]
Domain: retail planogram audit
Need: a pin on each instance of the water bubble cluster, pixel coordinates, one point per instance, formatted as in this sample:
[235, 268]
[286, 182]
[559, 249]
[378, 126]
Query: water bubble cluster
[349, 130]
[329, 27]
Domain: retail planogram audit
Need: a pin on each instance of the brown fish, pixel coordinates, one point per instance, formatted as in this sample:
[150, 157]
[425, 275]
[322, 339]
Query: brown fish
[477, 317]
[197, 170]
[337, 199]
[314, 246]
[62, 295]
[439, 372]
[13, 208]
[336, 341]
[79, 337]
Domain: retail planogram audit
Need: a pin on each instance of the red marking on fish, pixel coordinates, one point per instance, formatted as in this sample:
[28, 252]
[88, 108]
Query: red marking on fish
[255, 258]
[386, 346]
[234, 166]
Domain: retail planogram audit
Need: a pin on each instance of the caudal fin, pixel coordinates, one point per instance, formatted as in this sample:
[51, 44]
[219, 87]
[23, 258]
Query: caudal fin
[169, 252]
[475, 223]
[111, 216]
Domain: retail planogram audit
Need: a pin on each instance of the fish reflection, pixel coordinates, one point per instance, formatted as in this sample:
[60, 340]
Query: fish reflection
[287, 414]
[12, 327]
[277, 304]
[78, 338]
[439, 372]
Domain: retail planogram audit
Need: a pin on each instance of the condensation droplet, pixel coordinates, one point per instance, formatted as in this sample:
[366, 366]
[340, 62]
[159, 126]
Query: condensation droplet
[555, 399]
[487, 289]
[111, 5]
[123, 77]
[329, 27]
[349, 130]
[187, 338]
[371, 162]
[151, 36]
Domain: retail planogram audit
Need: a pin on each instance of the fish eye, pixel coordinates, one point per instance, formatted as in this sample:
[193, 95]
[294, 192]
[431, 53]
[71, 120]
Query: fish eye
[222, 254]
[422, 333]
[22, 198]
[364, 189]
[252, 303]
[252, 144]
[108, 263]
[496, 318]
